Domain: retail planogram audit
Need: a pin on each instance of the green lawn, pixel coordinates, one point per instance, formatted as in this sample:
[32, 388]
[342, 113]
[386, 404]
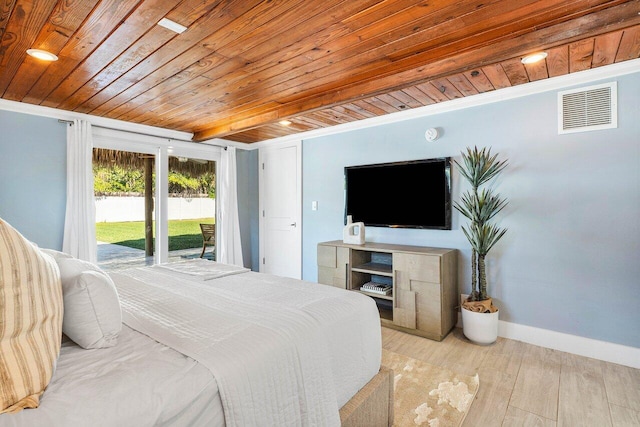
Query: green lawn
[183, 234]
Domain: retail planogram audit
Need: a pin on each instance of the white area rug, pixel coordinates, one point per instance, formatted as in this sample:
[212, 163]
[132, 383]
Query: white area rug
[427, 395]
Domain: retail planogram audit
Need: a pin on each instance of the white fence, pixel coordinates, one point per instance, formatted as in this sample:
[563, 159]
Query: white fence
[121, 209]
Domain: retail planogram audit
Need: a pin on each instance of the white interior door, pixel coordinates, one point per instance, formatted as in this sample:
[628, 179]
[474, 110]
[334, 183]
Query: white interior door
[280, 206]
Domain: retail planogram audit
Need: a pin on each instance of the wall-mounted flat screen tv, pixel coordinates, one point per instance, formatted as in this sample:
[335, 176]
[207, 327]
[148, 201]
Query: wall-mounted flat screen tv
[411, 194]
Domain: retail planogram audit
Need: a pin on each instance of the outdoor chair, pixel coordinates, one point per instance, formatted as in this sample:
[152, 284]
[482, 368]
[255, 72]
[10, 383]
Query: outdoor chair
[208, 236]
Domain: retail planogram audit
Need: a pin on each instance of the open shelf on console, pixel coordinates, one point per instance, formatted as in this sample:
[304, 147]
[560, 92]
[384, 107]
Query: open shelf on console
[385, 308]
[422, 279]
[375, 295]
[374, 268]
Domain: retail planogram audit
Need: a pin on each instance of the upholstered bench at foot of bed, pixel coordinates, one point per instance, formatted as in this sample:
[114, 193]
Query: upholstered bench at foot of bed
[372, 406]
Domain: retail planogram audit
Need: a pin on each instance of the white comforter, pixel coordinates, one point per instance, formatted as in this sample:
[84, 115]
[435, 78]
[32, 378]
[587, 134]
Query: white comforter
[267, 340]
[137, 383]
[142, 382]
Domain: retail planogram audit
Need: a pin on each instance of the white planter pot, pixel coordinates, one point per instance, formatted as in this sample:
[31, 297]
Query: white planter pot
[480, 328]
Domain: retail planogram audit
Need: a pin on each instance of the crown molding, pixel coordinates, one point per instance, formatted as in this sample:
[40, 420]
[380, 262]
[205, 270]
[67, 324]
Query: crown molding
[540, 86]
[39, 110]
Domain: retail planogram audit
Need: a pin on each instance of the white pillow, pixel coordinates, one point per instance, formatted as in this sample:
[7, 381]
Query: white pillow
[57, 255]
[72, 267]
[92, 314]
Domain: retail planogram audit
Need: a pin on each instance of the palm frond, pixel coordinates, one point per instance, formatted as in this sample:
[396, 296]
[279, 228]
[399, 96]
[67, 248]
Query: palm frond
[479, 166]
[467, 205]
[480, 207]
[483, 237]
[488, 205]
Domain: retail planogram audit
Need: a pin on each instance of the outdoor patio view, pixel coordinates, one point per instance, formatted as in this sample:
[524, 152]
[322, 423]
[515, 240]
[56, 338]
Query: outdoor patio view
[124, 185]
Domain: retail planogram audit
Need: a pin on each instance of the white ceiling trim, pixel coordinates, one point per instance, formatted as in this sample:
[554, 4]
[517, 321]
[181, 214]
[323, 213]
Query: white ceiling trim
[114, 124]
[39, 110]
[553, 83]
[136, 142]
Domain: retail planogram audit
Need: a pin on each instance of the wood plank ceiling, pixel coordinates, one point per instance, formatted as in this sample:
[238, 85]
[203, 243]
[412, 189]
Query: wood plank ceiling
[244, 65]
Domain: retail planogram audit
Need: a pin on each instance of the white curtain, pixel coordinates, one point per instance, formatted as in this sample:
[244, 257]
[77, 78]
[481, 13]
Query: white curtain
[80, 217]
[230, 250]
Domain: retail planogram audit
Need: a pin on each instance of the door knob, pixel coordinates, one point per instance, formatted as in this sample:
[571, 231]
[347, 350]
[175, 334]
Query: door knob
[293, 225]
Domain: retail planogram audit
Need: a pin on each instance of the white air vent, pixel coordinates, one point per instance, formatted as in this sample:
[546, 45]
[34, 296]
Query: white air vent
[590, 108]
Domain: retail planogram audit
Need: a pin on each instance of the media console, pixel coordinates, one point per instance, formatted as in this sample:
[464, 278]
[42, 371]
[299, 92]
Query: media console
[423, 280]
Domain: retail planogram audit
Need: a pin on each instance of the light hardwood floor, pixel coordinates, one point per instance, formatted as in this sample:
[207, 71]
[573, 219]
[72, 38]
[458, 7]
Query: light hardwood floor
[526, 385]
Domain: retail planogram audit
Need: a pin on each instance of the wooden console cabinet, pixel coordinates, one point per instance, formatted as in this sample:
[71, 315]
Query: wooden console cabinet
[424, 289]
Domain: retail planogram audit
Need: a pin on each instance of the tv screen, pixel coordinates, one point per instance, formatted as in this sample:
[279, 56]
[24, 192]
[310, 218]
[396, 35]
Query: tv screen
[412, 194]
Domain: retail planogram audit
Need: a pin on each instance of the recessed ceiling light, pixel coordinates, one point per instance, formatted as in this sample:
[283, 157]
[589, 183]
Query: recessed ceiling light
[173, 26]
[534, 57]
[42, 54]
[284, 122]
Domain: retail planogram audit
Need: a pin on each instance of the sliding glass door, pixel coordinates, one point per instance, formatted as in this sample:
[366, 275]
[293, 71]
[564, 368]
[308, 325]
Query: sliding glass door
[174, 183]
[124, 194]
[191, 208]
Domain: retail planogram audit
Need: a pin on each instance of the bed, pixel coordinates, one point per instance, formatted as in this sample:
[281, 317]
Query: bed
[204, 343]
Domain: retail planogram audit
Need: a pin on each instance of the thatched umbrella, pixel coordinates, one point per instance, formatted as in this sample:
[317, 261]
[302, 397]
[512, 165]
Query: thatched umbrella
[128, 160]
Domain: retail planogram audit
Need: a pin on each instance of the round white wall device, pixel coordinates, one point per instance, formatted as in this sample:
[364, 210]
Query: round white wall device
[431, 134]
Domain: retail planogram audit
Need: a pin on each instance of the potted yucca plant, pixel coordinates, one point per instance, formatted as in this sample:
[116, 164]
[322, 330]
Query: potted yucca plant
[480, 205]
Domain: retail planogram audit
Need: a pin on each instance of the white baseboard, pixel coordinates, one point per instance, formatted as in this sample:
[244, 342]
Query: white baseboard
[602, 350]
[587, 347]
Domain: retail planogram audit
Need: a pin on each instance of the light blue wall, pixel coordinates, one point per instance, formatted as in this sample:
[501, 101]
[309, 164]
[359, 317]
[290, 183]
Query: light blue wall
[570, 260]
[247, 165]
[33, 182]
[33, 176]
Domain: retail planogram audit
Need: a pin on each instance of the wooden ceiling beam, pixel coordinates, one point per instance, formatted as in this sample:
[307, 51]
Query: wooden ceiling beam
[591, 25]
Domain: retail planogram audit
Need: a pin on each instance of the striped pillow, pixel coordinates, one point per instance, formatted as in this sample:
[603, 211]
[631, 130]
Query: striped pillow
[30, 320]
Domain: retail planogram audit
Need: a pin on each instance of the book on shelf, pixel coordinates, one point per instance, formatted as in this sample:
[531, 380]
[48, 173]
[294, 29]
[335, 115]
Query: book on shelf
[377, 288]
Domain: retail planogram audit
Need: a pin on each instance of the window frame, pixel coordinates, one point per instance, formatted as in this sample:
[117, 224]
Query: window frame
[162, 149]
